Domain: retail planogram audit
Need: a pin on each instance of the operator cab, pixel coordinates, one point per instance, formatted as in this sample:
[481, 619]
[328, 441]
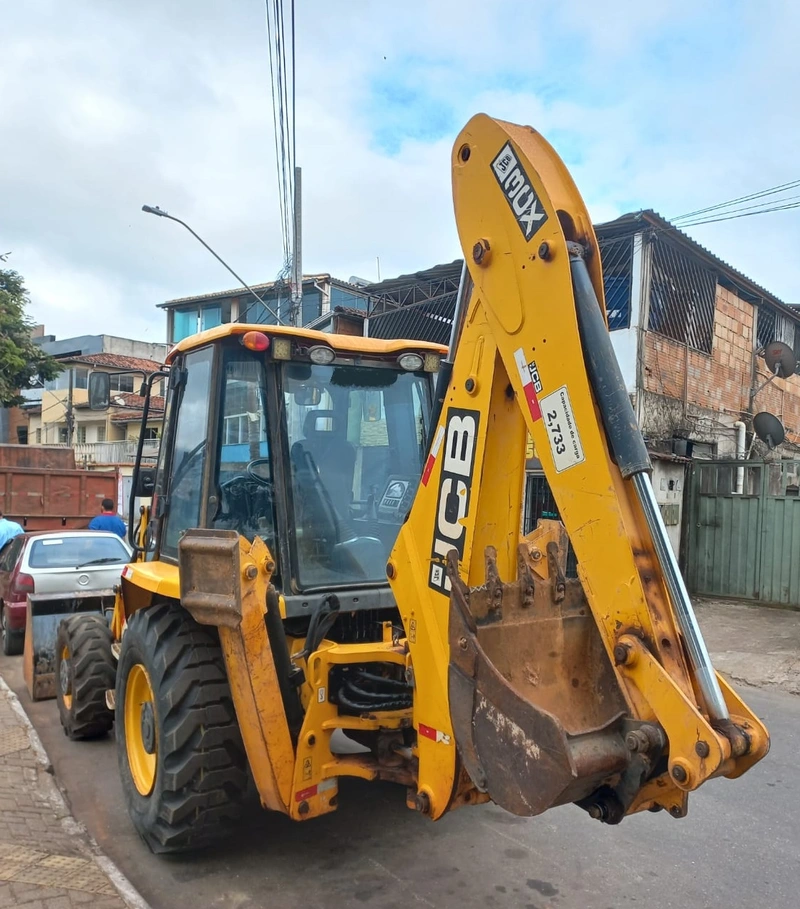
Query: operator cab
[317, 448]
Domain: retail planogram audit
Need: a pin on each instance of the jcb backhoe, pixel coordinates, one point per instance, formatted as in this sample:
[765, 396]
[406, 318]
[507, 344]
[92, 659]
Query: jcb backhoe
[333, 558]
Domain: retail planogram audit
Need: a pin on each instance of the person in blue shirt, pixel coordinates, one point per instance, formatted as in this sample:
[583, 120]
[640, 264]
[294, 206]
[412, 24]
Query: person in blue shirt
[108, 519]
[8, 530]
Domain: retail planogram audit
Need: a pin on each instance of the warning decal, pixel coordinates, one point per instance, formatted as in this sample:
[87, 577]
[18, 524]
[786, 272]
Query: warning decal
[437, 444]
[531, 384]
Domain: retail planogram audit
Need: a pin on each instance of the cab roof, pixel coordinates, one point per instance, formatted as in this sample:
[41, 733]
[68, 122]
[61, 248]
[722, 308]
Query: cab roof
[345, 344]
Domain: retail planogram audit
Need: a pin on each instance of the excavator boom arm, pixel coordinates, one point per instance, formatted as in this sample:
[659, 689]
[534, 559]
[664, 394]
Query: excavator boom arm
[532, 688]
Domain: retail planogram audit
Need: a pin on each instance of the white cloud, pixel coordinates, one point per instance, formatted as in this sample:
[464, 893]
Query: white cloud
[109, 106]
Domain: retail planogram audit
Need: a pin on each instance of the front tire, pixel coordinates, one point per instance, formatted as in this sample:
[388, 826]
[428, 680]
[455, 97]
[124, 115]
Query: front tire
[180, 752]
[85, 671]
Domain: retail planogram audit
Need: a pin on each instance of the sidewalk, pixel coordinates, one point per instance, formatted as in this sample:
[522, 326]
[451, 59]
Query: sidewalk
[757, 645]
[47, 859]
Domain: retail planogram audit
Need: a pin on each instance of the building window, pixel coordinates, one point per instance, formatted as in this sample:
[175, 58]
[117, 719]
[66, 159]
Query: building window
[616, 255]
[340, 297]
[62, 435]
[682, 297]
[81, 435]
[121, 383]
[184, 324]
[80, 379]
[101, 432]
[150, 434]
[210, 317]
[39, 436]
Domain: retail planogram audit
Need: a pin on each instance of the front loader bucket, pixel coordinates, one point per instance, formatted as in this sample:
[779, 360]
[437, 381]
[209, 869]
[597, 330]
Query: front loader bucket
[538, 717]
[45, 612]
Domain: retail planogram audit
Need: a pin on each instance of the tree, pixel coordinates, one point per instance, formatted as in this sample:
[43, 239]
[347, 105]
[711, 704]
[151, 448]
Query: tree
[21, 361]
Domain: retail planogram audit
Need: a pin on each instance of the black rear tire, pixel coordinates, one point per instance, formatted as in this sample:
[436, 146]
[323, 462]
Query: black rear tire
[13, 641]
[191, 775]
[85, 670]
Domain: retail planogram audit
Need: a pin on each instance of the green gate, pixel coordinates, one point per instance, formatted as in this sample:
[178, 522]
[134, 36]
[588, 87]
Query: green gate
[743, 530]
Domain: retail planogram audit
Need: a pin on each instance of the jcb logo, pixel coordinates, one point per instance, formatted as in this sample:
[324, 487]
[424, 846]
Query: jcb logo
[519, 192]
[455, 484]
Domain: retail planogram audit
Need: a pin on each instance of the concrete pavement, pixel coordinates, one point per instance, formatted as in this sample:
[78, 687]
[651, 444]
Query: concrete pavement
[757, 645]
[47, 858]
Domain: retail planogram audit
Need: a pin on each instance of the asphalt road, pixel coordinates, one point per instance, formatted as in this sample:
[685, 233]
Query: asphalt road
[738, 848]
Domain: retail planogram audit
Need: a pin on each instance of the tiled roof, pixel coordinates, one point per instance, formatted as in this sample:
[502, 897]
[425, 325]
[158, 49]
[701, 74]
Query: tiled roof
[137, 401]
[116, 361]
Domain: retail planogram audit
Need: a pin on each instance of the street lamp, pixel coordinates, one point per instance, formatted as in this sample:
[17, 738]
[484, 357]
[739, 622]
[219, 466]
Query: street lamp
[155, 210]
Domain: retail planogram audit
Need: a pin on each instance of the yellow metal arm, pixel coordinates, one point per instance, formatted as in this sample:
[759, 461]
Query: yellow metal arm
[587, 687]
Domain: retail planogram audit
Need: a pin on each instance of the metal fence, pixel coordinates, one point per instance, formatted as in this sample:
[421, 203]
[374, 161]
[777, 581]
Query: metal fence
[682, 296]
[743, 530]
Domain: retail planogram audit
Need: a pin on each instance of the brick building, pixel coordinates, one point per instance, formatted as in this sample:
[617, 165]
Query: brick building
[687, 329]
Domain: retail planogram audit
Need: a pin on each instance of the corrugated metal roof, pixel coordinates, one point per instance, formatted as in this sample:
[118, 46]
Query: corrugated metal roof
[260, 289]
[633, 221]
[450, 270]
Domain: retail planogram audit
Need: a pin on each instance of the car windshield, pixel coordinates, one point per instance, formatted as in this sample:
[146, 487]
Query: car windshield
[71, 552]
[356, 444]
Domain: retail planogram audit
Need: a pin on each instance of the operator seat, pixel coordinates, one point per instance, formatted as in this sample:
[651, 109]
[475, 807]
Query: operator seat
[333, 455]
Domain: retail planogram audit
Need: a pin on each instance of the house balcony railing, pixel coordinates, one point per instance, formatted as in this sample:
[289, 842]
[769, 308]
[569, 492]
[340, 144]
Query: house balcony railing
[123, 452]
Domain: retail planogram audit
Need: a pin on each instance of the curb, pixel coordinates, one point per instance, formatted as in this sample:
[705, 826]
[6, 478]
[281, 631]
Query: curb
[128, 893]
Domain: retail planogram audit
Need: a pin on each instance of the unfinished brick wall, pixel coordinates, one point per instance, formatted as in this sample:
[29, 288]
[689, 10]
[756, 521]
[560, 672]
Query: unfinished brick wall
[718, 383]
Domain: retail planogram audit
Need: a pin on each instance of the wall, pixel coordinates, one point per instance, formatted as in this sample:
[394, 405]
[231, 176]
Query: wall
[111, 344]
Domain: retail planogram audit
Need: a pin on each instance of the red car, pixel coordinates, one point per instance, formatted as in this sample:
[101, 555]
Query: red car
[14, 589]
[54, 562]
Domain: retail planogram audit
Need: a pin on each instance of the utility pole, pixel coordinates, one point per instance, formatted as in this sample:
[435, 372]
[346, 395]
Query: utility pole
[70, 413]
[296, 308]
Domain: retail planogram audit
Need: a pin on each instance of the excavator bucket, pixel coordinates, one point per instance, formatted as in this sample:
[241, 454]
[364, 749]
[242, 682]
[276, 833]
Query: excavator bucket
[45, 612]
[514, 649]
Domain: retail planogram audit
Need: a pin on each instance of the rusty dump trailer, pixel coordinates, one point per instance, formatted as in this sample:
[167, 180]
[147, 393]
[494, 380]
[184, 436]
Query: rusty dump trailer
[41, 489]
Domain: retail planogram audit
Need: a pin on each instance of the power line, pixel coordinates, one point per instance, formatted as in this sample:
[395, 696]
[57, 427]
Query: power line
[760, 194]
[282, 78]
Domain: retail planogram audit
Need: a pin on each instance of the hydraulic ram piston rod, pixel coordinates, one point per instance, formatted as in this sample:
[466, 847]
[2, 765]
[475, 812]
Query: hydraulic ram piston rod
[630, 455]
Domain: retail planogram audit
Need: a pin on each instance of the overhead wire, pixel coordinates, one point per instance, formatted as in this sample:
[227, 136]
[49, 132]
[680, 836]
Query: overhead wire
[735, 208]
[282, 79]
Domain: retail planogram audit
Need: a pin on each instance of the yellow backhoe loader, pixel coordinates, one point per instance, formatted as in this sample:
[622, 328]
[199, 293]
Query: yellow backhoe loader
[333, 556]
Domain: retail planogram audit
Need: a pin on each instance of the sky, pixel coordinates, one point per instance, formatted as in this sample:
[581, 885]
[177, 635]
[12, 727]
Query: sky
[108, 104]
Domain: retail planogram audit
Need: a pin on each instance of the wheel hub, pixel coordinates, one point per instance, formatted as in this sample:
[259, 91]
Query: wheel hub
[148, 728]
[63, 677]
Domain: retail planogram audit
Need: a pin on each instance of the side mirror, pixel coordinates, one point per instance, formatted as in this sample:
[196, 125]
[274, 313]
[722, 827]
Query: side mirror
[99, 391]
[145, 482]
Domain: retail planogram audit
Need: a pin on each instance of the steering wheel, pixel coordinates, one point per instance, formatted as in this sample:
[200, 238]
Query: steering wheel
[262, 481]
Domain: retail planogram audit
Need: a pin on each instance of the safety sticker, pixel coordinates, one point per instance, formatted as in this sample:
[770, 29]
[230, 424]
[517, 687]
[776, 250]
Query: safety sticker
[126, 572]
[307, 767]
[304, 794]
[559, 420]
[531, 384]
[437, 444]
[434, 735]
[321, 693]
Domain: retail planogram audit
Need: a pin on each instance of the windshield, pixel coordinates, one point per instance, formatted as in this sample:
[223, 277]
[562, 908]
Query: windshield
[72, 552]
[356, 443]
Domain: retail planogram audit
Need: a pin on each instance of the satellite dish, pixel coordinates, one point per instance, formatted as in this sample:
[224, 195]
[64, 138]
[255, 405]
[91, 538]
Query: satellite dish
[780, 359]
[769, 428]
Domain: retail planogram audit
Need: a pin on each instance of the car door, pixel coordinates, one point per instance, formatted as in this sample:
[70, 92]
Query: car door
[9, 555]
